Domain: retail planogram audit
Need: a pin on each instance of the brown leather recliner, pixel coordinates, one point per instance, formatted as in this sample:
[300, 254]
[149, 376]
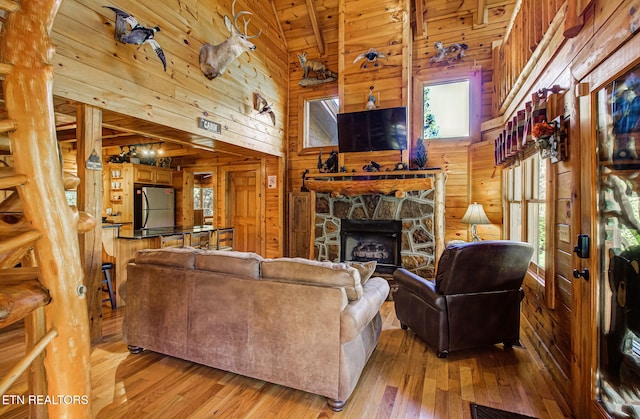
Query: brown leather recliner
[474, 300]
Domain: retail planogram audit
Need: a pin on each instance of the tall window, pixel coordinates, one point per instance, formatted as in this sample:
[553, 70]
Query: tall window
[525, 198]
[447, 109]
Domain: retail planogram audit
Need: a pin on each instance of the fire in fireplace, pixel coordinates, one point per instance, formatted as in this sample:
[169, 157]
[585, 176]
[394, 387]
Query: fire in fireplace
[366, 240]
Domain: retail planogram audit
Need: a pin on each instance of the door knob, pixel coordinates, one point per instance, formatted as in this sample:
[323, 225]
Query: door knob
[583, 273]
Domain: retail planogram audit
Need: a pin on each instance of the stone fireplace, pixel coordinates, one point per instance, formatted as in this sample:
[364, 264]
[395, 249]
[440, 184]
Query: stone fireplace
[371, 240]
[416, 212]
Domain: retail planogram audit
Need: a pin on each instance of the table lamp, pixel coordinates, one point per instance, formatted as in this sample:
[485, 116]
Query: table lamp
[475, 215]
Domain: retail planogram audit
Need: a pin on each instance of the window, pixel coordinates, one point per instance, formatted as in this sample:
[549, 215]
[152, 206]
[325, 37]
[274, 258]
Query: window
[320, 122]
[525, 197]
[203, 199]
[447, 110]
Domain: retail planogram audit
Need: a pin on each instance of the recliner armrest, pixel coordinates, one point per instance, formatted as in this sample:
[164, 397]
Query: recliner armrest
[415, 284]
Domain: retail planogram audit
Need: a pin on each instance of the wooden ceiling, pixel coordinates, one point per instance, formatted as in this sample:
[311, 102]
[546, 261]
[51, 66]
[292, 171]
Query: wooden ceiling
[314, 23]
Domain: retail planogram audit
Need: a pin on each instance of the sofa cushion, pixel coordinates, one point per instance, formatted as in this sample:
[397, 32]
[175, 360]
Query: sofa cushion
[179, 257]
[366, 269]
[229, 262]
[315, 272]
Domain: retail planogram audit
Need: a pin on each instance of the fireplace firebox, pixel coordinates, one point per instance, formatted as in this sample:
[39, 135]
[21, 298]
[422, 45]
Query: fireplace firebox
[367, 240]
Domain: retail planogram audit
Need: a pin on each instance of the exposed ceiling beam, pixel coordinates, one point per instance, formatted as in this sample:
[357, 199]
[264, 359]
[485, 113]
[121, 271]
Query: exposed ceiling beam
[482, 15]
[421, 28]
[315, 24]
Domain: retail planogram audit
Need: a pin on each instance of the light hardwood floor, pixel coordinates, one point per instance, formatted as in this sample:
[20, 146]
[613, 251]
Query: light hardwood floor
[403, 379]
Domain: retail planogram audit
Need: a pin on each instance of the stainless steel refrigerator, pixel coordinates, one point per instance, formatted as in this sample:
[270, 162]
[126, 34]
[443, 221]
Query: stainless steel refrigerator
[154, 207]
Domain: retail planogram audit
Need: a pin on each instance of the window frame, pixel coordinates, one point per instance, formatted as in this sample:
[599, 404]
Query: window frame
[475, 103]
[466, 80]
[527, 183]
[303, 125]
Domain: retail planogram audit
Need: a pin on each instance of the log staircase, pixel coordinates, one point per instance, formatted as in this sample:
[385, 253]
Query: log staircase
[41, 277]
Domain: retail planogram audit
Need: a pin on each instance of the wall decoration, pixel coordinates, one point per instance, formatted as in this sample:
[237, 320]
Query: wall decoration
[371, 100]
[551, 138]
[371, 57]
[420, 158]
[261, 105]
[323, 74]
[448, 55]
[138, 34]
[214, 59]
[330, 165]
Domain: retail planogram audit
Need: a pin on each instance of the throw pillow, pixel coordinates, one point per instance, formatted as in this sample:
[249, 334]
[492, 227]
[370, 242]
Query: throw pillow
[366, 269]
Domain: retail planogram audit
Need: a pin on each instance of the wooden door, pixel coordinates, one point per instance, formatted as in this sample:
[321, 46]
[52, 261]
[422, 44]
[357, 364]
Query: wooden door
[244, 209]
[301, 224]
[610, 200]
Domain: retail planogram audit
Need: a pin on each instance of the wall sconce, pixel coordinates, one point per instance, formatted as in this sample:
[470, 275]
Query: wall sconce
[475, 215]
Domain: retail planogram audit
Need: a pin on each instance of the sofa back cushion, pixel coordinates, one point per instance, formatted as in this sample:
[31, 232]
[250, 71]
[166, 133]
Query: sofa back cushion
[178, 257]
[315, 272]
[236, 263]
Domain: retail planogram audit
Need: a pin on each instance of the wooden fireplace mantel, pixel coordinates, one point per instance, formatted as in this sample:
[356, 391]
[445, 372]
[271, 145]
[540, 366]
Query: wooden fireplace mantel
[398, 182]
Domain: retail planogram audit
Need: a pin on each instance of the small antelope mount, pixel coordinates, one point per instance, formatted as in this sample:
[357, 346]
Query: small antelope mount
[323, 74]
[214, 59]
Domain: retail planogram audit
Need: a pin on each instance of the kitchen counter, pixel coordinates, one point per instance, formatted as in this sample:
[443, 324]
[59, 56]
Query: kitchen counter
[165, 231]
[111, 225]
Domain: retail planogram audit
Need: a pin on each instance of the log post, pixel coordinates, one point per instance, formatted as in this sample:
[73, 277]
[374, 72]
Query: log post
[89, 134]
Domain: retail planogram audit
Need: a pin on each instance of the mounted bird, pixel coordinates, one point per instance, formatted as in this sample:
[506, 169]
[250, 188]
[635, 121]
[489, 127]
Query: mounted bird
[136, 34]
[261, 105]
[371, 57]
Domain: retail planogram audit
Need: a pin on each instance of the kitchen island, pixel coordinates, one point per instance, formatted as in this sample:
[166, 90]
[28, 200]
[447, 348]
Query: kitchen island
[129, 242]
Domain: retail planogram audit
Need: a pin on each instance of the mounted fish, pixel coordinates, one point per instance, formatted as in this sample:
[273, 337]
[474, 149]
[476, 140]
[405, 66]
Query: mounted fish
[138, 34]
[214, 59]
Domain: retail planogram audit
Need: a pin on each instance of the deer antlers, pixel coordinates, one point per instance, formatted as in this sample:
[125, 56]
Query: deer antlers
[246, 22]
[214, 59]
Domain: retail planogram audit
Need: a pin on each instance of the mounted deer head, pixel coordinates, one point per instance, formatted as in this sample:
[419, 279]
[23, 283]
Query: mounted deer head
[214, 59]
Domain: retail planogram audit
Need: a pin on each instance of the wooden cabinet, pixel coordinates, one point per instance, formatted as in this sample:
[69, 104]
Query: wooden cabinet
[300, 224]
[152, 175]
[163, 176]
[144, 174]
[118, 183]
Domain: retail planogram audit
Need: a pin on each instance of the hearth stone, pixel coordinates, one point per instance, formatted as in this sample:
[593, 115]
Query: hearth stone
[412, 209]
[322, 205]
[386, 210]
[358, 213]
[420, 235]
[341, 209]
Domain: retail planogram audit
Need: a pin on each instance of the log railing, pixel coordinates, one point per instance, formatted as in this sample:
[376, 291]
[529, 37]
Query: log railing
[35, 219]
[528, 36]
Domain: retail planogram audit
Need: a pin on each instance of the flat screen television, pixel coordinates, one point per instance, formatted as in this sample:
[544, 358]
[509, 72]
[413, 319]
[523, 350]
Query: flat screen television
[374, 130]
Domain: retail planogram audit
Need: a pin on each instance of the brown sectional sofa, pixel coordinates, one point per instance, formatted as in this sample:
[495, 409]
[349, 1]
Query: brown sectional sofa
[303, 324]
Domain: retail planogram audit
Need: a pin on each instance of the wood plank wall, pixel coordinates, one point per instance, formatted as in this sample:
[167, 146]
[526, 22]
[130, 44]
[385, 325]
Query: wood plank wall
[91, 67]
[548, 312]
[272, 223]
[486, 188]
[454, 156]
[364, 26]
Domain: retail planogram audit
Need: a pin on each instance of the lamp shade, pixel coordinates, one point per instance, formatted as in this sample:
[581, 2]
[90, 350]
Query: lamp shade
[475, 215]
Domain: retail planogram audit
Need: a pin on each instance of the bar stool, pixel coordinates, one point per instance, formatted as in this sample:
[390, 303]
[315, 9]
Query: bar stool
[106, 281]
[224, 238]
